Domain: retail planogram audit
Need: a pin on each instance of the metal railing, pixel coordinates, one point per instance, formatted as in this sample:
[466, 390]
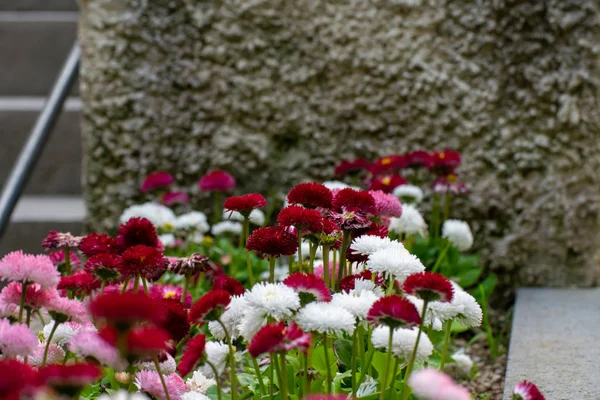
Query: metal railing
[30, 154]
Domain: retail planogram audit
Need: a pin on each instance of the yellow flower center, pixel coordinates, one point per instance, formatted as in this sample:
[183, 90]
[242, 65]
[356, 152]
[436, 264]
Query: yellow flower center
[170, 295]
[452, 178]
[442, 155]
[386, 181]
[386, 161]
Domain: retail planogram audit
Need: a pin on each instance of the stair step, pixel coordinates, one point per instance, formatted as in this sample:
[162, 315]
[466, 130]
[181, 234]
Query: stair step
[59, 168]
[38, 5]
[553, 343]
[34, 217]
[33, 48]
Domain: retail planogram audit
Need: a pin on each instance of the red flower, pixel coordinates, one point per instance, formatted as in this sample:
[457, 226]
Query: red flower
[142, 260]
[350, 200]
[527, 391]
[170, 292]
[94, 244]
[419, 158]
[176, 322]
[394, 311]
[172, 198]
[192, 355]
[373, 230]
[272, 241]
[354, 257]
[245, 204]
[311, 195]
[446, 161]
[392, 162]
[387, 183]
[216, 181]
[304, 219]
[59, 240]
[308, 286]
[348, 283]
[125, 309]
[229, 284]
[190, 265]
[277, 338]
[147, 341]
[351, 167]
[137, 231]
[105, 266]
[449, 184]
[209, 307]
[17, 380]
[81, 282]
[429, 286]
[157, 180]
[69, 379]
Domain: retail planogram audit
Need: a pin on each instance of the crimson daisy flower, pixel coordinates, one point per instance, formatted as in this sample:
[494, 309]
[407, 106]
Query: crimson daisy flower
[209, 307]
[272, 241]
[354, 257]
[419, 158]
[176, 322]
[445, 161]
[308, 286]
[225, 282]
[147, 341]
[352, 167]
[190, 265]
[245, 204]
[69, 379]
[387, 183]
[18, 380]
[192, 355]
[126, 309]
[350, 200]
[527, 391]
[392, 162]
[311, 195]
[373, 230]
[81, 282]
[329, 235]
[394, 311]
[170, 292]
[143, 261]
[348, 282]
[94, 244]
[216, 181]
[429, 286]
[304, 219]
[137, 231]
[172, 198]
[450, 183]
[105, 266]
[277, 338]
[59, 240]
[157, 180]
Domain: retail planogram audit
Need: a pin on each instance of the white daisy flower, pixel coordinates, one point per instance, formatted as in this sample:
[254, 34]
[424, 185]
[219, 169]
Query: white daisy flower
[368, 285]
[368, 244]
[231, 318]
[161, 216]
[62, 335]
[357, 302]
[256, 217]
[471, 315]
[167, 240]
[216, 354]
[408, 194]
[226, 227]
[369, 386]
[395, 261]
[193, 221]
[123, 394]
[167, 367]
[325, 318]
[199, 383]
[194, 396]
[458, 233]
[403, 342]
[431, 319]
[411, 222]
[462, 365]
[281, 272]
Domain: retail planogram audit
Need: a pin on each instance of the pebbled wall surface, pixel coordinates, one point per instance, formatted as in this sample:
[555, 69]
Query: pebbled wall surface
[278, 91]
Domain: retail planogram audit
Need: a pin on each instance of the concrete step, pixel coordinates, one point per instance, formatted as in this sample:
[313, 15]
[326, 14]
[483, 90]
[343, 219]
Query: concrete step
[38, 5]
[33, 48]
[59, 169]
[554, 341]
[34, 217]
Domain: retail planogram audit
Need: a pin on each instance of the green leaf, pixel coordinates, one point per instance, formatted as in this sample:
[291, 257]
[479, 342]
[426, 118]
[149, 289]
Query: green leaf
[379, 363]
[487, 287]
[343, 349]
[212, 394]
[469, 277]
[318, 361]
[338, 381]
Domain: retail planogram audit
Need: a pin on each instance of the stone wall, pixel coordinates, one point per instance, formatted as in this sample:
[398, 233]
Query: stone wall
[277, 91]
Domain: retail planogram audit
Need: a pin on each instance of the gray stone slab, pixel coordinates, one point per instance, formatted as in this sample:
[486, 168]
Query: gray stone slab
[59, 169]
[38, 5]
[33, 48]
[554, 343]
[59, 209]
[28, 236]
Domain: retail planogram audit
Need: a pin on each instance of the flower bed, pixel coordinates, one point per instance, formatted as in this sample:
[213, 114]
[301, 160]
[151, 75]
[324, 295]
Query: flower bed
[349, 295]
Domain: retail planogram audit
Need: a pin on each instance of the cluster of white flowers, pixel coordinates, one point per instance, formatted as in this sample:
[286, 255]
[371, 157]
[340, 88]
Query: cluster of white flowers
[408, 194]
[256, 217]
[394, 260]
[161, 216]
[226, 227]
[199, 383]
[403, 342]
[216, 354]
[357, 302]
[458, 233]
[338, 185]
[411, 222]
[194, 221]
[324, 317]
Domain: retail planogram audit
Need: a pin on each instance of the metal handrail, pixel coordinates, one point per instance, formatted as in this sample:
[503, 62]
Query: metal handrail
[30, 154]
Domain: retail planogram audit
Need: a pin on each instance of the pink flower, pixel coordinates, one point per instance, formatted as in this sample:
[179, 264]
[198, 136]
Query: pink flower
[450, 183]
[308, 286]
[149, 382]
[386, 204]
[35, 296]
[55, 355]
[216, 181]
[527, 391]
[156, 180]
[61, 307]
[431, 384]
[88, 344]
[58, 258]
[20, 267]
[171, 198]
[60, 240]
[160, 291]
[16, 340]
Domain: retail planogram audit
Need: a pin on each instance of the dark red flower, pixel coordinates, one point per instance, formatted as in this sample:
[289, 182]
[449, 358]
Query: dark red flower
[172, 198]
[445, 162]
[69, 379]
[308, 286]
[192, 355]
[354, 257]
[394, 311]
[245, 204]
[449, 184]
[348, 282]
[217, 181]
[170, 292]
[527, 391]
[209, 307]
[157, 180]
[350, 221]
[272, 241]
[352, 167]
[350, 200]
[81, 282]
[94, 244]
[59, 240]
[311, 195]
[304, 219]
[105, 266]
[190, 265]
[125, 309]
[137, 231]
[277, 338]
[176, 322]
[143, 261]
[387, 183]
[419, 158]
[385, 164]
[225, 282]
[373, 230]
[429, 286]
[147, 341]
[17, 380]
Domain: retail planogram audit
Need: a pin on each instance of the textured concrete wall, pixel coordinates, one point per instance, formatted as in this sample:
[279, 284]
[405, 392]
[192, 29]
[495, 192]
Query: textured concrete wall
[277, 91]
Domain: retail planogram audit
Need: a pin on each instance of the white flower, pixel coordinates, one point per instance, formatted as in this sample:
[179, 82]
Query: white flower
[194, 221]
[216, 354]
[194, 396]
[403, 342]
[123, 394]
[395, 261]
[462, 365]
[458, 233]
[337, 185]
[410, 223]
[369, 386]
[365, 284]
[167, 367]
[368, 244]
[62, 335]
[471, 315]
[231, 318]
[281, 272]
[408, 194]
[431, 319]
[226, 227]
[305, 251]
[199, 383]
[159, 215]
[256, 217]
[325, 318]
[167, 240]
[358, 303]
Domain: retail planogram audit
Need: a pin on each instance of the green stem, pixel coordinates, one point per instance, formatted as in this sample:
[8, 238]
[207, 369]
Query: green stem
[447, 201]
[67, 253]
[245, 232]
[125, 284]
[145, 284]
[41, 317]
[306, 380]
[441, 257]
[343, 249]
[272, 260]
[411, 362]
[275, 362]
[102, 286]
[28, 317]
[231, 361]
[313, 253]
[162, 378]
[354, 355]
[368, 359]
[333, 269]
[435, 216]
[22, 303]
[391, 285]
[186, 284]
[271, 383]
[261, 384]
[216, 208]
[327, 365]
[136, 284]
[284, 384]
[394, 374]
[300, 261]
[388, 362]
[48, 341]
[217, 379]
[446, 341]
[326, 266]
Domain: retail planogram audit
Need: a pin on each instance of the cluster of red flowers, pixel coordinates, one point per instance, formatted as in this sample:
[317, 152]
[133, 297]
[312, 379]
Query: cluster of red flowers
[160, 181]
